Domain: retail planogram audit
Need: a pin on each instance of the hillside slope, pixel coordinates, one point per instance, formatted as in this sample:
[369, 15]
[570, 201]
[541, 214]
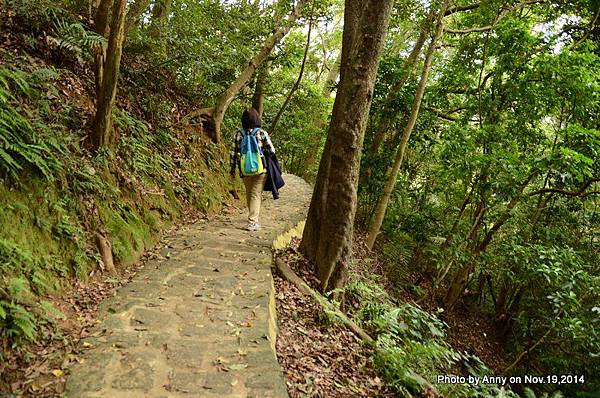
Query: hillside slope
[61, 203]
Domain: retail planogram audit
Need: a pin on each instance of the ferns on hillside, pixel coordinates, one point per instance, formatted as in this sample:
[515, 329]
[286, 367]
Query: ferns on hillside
[38, 15]
[20, 144]
[58, 25]
[410, 344]
[16, 321]
[24, 276]
[75, 38]
[139, 147]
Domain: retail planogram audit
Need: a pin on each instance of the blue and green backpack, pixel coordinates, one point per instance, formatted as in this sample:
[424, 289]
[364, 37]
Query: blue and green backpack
[251, 162]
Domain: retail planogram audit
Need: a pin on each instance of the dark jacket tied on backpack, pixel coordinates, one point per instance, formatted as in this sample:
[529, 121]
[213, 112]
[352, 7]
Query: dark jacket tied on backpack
[274, 179]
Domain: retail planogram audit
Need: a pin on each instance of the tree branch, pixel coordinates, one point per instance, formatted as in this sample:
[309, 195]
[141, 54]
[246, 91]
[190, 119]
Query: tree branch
[580, 192]
[455, 9]
[589, 30]
[521, 355]
[491, 26]
[470, 30]
[299, 79]
[446, 115]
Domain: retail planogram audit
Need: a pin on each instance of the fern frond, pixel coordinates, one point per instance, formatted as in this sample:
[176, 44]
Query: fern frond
[23, 322]
[75, 38]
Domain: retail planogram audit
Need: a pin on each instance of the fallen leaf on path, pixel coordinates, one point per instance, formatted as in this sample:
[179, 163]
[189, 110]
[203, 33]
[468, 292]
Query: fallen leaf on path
[57, 372]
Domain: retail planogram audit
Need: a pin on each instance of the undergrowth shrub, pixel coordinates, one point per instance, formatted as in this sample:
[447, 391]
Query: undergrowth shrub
[410, 346]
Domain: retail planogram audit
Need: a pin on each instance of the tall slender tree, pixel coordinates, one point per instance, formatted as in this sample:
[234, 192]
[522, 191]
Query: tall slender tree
[393, 175]
[258, 99]
[102, 130]
[135, 10]
[101, 26]
[160, 16]
[332, 76]
[327, 237]
[296, 85]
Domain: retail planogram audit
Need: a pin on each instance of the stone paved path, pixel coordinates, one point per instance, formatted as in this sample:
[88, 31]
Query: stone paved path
[199, 321]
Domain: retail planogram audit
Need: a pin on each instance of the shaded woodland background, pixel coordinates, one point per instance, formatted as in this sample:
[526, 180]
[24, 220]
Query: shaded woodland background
[474, 178]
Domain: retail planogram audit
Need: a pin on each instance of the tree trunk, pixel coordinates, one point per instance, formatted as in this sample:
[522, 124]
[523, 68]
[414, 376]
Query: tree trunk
[100, 27]
[160, 18]
[328, 240]
[310, 156]
[218, 112]
[480, 210]
[258, 99]
[160, 14]
[102, 134]
[106, 253]
[332, 76]
[316, 211]
[101, 17]
[136, 9]
[391, 181]
[461, 278]
[388, 116]
[298, 80]
[463, 207]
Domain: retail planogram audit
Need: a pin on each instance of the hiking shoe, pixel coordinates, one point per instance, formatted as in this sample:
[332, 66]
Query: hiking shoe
[253, 226]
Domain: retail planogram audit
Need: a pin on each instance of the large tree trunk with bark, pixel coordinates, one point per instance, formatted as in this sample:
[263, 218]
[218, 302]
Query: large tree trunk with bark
[316, 210]
[102, 132]
[312, 228]
[215, 115]
[327, 237]
[392, 177]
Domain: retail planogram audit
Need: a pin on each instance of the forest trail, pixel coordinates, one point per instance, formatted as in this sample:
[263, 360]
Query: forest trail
[200, 320]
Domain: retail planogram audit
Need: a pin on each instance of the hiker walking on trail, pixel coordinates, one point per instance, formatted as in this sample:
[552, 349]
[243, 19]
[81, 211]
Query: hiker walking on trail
[248, 150]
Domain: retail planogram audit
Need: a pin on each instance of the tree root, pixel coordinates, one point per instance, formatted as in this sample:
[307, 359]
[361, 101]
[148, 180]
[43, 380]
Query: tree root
[106, 253]
[289, 275]
[428, 390]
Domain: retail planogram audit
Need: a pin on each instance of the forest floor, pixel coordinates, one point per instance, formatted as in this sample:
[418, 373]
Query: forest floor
[320, 359]
[324, 359]
[469, 328]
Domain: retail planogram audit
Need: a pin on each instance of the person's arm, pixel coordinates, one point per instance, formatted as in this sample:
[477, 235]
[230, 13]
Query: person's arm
[267, 143]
